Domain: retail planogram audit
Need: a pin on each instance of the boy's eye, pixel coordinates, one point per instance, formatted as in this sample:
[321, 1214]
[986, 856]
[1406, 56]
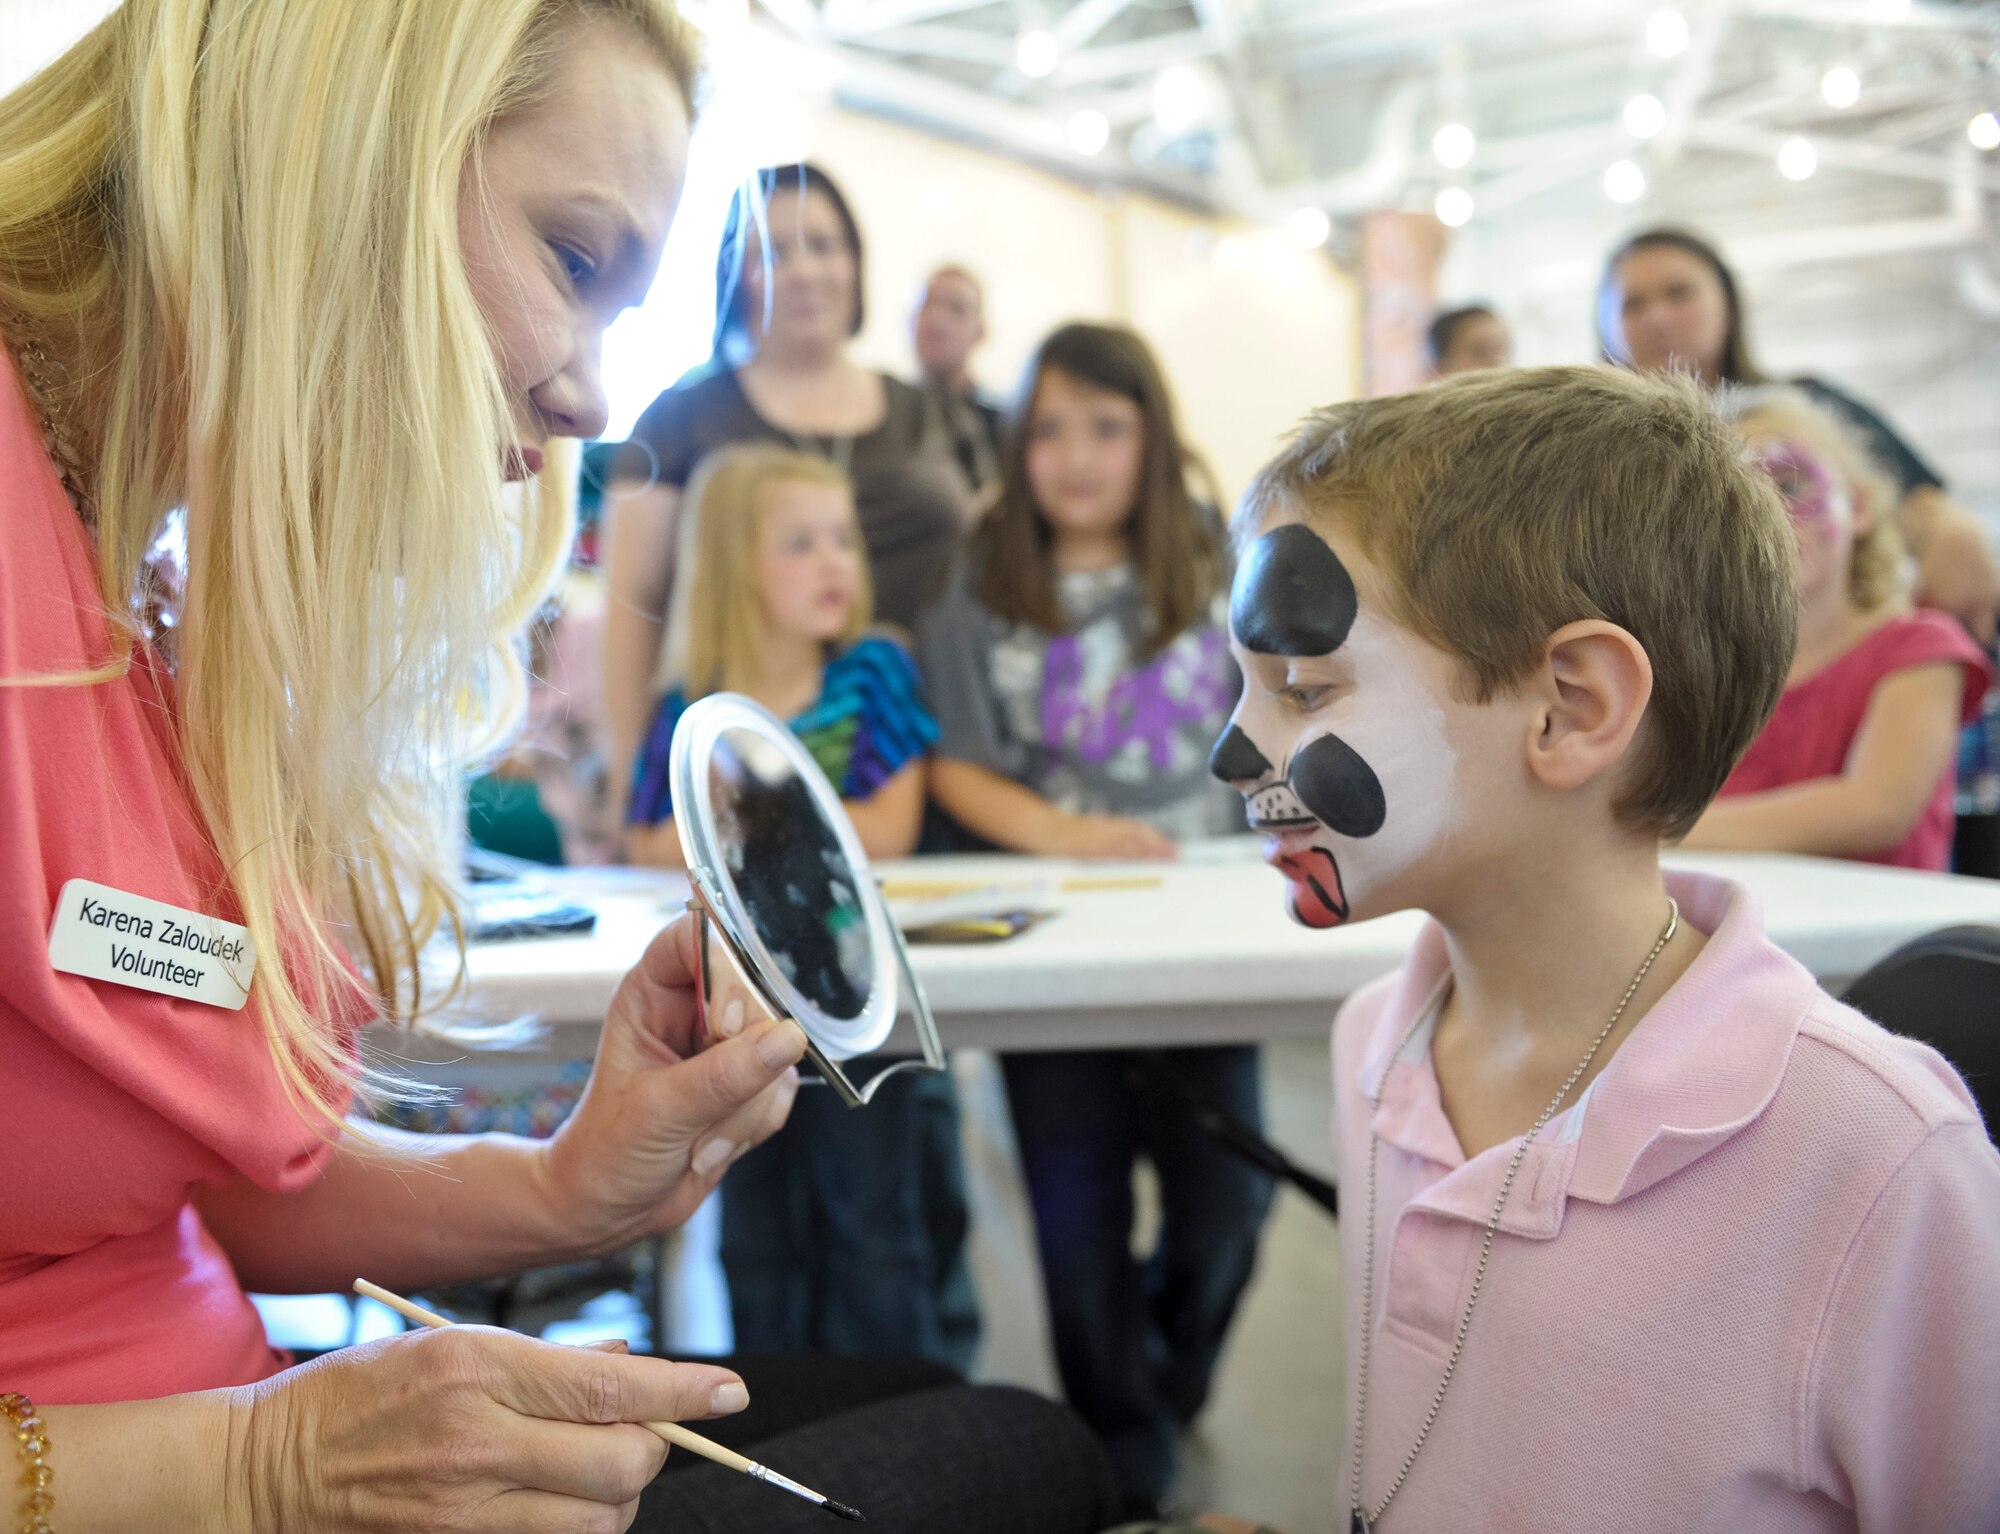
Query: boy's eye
[1304, 697]
[579, 267]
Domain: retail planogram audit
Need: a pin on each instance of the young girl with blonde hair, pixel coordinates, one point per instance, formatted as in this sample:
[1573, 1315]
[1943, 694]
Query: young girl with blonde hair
[1858, 760]
[322, 276]
[773, 600]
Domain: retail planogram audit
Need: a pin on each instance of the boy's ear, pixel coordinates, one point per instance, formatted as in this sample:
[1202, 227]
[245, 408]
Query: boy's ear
[1592, 690]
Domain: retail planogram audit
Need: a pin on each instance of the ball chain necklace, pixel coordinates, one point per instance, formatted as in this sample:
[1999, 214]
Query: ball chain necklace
[1360, 1522]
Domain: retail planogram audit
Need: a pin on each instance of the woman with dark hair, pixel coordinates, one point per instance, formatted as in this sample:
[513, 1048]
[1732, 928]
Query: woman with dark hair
[788, 299]
[847, 1233]
[1667, 299]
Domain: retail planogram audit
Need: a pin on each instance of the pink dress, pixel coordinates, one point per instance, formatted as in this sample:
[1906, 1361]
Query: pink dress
[119, 1103]
[1816, 721]
[1749, 1281]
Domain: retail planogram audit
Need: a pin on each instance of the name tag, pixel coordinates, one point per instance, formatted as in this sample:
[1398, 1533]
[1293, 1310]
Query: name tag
[106, 934]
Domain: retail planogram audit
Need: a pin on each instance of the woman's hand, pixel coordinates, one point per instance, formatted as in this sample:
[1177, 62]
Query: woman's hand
[1111, 836]
[463, 1431]
[666, 1111]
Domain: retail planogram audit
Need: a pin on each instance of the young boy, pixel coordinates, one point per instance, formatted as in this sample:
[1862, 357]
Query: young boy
[1641, 1230]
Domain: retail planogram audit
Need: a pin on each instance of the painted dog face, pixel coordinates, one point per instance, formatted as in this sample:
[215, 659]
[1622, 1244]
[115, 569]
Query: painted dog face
[1822, 511]
[1339, 743]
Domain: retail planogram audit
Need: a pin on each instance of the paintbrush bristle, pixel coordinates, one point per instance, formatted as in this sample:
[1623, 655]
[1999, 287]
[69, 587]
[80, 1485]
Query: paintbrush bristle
[842, 1510]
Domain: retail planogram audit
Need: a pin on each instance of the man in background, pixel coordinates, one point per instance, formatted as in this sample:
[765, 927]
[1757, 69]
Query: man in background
[1468, 338]
[949, 325]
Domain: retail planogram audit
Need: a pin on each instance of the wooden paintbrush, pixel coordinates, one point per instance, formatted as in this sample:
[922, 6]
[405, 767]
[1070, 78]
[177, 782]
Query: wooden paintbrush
[673, 1432]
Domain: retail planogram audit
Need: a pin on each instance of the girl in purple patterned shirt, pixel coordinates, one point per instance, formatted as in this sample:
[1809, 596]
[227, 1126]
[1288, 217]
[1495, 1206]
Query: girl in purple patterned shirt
[1080, 673]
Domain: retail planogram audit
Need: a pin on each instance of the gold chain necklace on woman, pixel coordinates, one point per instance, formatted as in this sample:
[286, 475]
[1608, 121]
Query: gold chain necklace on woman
[1364, 1523]
[45, 384]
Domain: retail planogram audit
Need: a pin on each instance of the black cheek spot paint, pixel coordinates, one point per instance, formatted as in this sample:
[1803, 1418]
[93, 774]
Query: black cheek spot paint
[1333, 782]
[1292, 595]
[1236, 758]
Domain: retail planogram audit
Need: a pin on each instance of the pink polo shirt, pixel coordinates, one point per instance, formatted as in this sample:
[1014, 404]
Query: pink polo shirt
[1749, 1282]
[117, 1104]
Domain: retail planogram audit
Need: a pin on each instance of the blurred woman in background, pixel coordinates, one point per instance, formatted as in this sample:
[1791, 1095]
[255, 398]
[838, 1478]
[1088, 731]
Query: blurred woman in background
[1667, 299]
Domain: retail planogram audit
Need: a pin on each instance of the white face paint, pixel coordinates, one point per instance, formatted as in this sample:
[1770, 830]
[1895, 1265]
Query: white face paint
[1346, 765]
[1397, 726]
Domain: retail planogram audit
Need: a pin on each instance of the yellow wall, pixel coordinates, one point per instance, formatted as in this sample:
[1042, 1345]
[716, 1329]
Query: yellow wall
[1252, 330]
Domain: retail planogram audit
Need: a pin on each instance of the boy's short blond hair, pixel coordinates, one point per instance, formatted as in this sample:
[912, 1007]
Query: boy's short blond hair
[1875, 574]
[1503, 505]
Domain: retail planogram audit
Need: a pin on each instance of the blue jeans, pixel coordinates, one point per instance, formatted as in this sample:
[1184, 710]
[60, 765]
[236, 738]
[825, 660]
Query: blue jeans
[845, 1231]
[1137, 1346]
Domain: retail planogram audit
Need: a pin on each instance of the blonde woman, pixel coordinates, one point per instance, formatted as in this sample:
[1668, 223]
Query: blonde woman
[325, 274]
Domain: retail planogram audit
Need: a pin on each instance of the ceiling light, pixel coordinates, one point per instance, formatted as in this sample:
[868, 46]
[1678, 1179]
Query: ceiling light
[1889, 10]
[1309, 227]
[1624, 181]
[1452, 144]
[1454, 206]
[1797, 159]
[1035, 54]
[1180, 97]
[1089, 132]
[1984, 131]
[1644, 116]
[1666, 32]
[1841, 87]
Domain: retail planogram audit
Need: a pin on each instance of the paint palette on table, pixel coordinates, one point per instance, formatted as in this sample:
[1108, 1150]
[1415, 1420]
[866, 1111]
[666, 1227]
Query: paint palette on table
[986, 914]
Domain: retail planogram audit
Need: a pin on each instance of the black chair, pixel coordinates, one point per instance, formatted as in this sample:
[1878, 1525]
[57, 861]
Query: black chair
[1944, 989]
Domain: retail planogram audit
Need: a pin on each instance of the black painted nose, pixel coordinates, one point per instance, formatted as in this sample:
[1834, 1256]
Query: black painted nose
[1236, 759]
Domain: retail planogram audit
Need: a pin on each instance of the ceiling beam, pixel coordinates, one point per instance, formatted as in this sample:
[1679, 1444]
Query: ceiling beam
[1691, 78]
[849, 19]
[1846, 154]
[1971, 20]
[961, 43]
[1117, 61]
[1084, 20]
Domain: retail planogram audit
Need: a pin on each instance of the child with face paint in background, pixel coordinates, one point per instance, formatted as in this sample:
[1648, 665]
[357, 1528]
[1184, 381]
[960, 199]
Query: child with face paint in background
[1080, 669]
[1857, 761]
[1639, 1228]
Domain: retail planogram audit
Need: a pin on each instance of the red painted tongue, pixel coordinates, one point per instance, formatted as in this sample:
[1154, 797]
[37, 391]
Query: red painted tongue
[1315, 881]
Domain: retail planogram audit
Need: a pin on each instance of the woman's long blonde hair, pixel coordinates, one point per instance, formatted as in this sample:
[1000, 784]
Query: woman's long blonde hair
[244, 214]
[716, 616]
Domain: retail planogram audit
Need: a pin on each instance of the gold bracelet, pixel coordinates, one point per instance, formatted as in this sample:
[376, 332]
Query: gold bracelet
[31, 1433]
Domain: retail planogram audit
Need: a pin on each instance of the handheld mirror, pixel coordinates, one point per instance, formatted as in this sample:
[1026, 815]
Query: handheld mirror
[779, 874]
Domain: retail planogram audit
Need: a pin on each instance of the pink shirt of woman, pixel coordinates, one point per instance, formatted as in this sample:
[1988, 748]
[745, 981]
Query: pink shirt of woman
[1749, 1281]
[1813, 728]
[119, 1102]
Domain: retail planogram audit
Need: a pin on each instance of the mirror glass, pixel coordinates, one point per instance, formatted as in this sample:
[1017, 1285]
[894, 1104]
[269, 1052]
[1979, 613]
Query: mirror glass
[776, 864]
[795, 882]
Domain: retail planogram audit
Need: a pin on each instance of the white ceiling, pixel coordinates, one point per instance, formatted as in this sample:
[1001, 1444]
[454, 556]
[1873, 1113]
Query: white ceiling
[1332, 103]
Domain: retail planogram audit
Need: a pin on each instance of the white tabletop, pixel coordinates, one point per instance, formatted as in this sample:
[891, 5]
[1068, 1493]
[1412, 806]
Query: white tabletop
[1188, 953]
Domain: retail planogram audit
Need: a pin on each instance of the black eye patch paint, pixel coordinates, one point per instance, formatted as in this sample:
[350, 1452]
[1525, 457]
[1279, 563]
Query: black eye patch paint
[1292, 595]
[1340, 788]
[1236, 758]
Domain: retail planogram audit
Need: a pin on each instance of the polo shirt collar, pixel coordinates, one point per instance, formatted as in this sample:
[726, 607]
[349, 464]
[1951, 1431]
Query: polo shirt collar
[1704, 1061]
